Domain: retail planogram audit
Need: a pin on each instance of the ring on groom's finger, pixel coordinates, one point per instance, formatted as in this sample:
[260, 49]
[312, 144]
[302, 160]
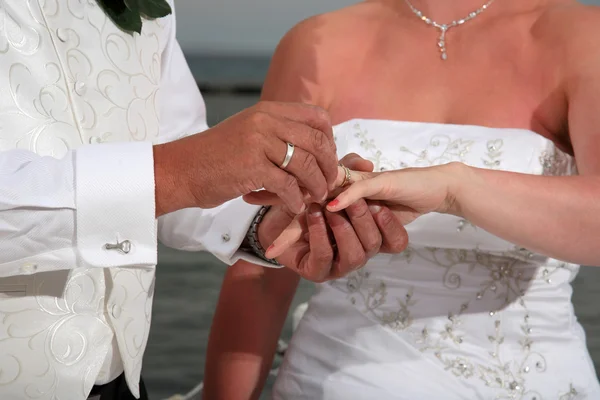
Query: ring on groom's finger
[347, 176]
[288, 156]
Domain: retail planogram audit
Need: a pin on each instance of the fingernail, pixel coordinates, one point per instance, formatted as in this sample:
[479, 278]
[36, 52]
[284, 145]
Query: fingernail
[269, 250]
[316, 212]
[333, 203]
[303, 208]
[374, 209]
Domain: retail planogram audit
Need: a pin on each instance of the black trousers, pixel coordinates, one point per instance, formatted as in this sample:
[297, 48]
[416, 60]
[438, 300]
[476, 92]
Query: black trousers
[117, 390]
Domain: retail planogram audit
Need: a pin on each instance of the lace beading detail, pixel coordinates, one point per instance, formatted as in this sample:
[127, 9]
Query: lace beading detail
[509, 275]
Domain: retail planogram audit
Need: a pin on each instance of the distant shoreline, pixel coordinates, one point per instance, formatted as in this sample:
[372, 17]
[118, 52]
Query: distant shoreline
[229, 74]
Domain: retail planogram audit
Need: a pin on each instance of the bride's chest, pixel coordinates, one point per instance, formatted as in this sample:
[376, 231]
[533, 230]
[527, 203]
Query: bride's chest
[69, 76]
[519, 93]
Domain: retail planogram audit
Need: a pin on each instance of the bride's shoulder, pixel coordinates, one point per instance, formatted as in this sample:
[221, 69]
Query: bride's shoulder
[572, 23]
[347, 26]
[314, 56]
[573, 31]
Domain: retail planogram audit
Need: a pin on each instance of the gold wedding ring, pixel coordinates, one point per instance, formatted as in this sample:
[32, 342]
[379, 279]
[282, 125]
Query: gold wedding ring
[347, 176]
[288, 156]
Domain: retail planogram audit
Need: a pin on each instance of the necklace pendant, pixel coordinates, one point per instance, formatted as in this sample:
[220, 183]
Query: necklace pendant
[443, 28]
[442, 45]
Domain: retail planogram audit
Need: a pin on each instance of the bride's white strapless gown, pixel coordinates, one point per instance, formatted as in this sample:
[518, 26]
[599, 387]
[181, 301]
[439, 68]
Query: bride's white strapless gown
[461, 314]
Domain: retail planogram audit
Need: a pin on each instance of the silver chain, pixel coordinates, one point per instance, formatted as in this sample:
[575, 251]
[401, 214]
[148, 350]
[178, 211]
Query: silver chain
[445, 27]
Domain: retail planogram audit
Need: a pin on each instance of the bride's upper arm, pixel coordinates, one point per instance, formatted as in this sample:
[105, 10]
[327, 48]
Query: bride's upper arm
[301, 69]
[583, 93]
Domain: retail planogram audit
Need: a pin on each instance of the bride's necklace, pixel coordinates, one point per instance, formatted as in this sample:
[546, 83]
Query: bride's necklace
[445, 27]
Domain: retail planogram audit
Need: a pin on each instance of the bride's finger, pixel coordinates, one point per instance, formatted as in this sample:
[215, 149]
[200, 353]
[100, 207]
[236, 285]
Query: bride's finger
[288, 237]
[364, 189]
[266, 198]
[355, 176]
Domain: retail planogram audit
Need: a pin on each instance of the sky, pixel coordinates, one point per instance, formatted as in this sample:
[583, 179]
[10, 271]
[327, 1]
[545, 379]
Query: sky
[246, 26]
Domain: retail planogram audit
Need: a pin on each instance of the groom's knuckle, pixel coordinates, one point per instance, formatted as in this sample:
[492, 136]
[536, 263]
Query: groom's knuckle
[322, 116]
[319, 141]
[356, 258]
[259, 119]
[348, 159]
[309, 164]
[373, 242]
[288, 184]
[319, 271]
[263, 106]
[316, 113]
[323, 257]
[398, 242]
[358, 210]
[387, 221]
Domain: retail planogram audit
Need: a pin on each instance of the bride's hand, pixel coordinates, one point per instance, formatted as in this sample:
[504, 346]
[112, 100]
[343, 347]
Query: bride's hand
[408, 192]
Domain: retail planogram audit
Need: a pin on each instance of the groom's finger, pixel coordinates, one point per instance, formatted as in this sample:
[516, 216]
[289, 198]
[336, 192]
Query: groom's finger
[365, 227]
[305, 168]
[395, 237]
[313, 141]
[308, 114]
[356, 163]
[316, 266]
[286, 187]
[350, 252]
[265, 198]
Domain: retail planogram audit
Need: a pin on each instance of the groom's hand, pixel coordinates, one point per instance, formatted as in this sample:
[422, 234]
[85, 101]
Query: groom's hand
[245, 153]
[361, 232]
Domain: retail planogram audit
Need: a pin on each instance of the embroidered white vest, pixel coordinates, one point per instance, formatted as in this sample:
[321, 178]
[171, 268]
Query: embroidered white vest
[69, 77]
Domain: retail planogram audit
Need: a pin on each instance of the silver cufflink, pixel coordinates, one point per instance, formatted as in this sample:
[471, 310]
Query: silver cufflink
[124, 246]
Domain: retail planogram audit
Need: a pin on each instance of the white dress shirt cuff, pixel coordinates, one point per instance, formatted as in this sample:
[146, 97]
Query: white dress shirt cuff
[115, 203]
[220, 231]
[234, 221]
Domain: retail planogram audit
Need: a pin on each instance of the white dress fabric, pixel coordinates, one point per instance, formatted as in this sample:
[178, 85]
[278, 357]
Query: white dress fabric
[461, 314]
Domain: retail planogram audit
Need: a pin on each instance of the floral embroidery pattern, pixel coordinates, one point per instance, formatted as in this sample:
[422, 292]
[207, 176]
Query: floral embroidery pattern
[508, 277]
[502, 281]
[494, 152]
[557, 163]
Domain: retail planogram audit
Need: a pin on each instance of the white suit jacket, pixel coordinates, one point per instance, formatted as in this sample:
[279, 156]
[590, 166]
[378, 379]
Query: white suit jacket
[81, 103]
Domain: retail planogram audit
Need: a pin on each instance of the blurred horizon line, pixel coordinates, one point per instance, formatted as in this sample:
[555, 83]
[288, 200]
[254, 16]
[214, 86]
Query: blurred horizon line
[230, 73]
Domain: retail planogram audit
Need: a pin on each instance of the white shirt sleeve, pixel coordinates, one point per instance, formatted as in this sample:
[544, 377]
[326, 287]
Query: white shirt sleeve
[219, 230]
[62, 213]
[95, 206]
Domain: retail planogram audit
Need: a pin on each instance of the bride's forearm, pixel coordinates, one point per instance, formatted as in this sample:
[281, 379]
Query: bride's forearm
[555, 216]
[252, 308]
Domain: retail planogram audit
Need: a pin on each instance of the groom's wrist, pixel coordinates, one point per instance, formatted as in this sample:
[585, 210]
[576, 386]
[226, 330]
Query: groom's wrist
[253, 242]
[170, 192]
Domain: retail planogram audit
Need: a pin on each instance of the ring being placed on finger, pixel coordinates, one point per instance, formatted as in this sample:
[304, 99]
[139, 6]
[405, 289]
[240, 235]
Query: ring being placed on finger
[288, 156]
[347, 176]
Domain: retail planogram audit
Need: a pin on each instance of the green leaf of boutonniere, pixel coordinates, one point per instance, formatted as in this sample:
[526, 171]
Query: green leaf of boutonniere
[150, 8]
[128, 14]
